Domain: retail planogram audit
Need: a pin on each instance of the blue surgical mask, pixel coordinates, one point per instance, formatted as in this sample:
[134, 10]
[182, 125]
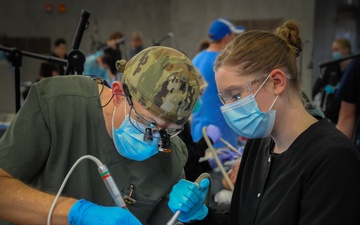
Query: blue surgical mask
[336, 55]
[245, 118]
[129, 141]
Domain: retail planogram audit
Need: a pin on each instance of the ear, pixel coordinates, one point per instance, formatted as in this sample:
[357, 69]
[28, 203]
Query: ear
[118, 92]
[278, 80]
[227, 38]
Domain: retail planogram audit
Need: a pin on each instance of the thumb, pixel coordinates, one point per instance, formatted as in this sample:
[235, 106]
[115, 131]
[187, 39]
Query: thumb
[204, 183]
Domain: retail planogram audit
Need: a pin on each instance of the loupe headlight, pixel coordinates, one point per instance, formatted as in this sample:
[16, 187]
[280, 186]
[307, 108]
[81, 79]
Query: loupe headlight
[148, 135]
[164, 142]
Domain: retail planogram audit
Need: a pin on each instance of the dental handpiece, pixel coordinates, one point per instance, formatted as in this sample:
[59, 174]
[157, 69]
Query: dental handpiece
[111, 186]
[173, 219]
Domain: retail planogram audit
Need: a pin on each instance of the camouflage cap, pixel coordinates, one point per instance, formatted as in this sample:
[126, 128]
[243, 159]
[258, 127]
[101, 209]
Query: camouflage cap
[164, 81]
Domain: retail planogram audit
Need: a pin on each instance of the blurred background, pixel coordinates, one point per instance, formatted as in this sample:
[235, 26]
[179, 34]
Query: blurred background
[34, 26]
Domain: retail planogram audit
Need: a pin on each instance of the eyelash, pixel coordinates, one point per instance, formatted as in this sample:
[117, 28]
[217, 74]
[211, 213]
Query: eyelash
[236, 97]
[154, 128]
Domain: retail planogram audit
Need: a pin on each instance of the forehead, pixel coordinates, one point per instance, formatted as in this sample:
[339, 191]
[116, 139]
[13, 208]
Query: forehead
[336, 45]
[226, 76]
[62, 46]
[150, 117]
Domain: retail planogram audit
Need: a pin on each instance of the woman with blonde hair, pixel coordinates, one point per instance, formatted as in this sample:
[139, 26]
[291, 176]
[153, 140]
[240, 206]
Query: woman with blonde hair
[297, 168]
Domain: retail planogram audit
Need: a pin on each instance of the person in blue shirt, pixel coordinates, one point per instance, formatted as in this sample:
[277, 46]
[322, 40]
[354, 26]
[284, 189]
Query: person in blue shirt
[102, 62]
[98, 64]
[208, 111]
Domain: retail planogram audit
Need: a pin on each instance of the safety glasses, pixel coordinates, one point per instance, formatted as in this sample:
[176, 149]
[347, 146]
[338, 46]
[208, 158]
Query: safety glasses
[236, 92]
[155, 130]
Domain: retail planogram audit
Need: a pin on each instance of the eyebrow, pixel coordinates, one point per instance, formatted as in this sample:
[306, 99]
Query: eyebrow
[142, 117]
[232, 87]
[167, 124]
[153, 121]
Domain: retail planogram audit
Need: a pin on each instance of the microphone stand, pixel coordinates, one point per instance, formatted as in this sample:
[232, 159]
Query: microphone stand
[331, 62]
[14, 55]
[327, 63]
[157, 43]
[76, 57]
[106, 47]
[75, 60]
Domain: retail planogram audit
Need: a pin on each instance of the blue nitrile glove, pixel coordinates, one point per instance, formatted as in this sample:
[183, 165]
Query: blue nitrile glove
[224, 155]
[87, 213]
[189, 199]
[214, 133]
[329, 89]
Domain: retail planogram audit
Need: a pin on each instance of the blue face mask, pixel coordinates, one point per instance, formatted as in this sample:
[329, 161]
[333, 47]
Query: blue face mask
[336, 55]
[129, 141]
[246, 119]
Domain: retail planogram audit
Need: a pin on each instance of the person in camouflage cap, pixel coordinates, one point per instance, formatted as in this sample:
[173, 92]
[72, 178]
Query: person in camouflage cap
[163, 81]
[67, 117]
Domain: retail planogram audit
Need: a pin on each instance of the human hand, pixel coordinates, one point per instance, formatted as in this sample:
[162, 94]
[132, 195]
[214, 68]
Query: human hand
[187, 197]
[329, 89]
[232, 173]
[87, 213]
[214, 133]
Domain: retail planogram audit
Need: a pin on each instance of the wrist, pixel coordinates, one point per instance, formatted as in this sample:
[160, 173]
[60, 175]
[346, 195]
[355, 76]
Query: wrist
[76, 211]
[62, 210]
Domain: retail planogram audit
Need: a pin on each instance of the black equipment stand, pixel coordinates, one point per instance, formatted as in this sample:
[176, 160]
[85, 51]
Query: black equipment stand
[74, 63]
[15, 55]
[117, 42]
[76, 57]
[166, 36]
[327, 63]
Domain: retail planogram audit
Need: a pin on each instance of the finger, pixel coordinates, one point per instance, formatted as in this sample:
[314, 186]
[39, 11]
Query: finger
[204, 183]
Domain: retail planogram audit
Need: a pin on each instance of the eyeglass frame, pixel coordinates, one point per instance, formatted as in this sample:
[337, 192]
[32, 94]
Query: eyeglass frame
[152, 126]
[247, 85]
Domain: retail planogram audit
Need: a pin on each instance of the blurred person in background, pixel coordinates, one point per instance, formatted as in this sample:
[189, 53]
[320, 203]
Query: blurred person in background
[136, 43]
[60, 51]
[325, 87]
[221, 32]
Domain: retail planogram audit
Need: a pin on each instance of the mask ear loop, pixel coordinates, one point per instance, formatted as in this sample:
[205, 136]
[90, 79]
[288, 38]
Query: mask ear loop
[273, 102]
[112, 122]
[124, 110]
[113, 115]
[262, 85]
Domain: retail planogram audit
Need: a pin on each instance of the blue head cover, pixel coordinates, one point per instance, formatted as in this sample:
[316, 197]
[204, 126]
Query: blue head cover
[221, 27]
